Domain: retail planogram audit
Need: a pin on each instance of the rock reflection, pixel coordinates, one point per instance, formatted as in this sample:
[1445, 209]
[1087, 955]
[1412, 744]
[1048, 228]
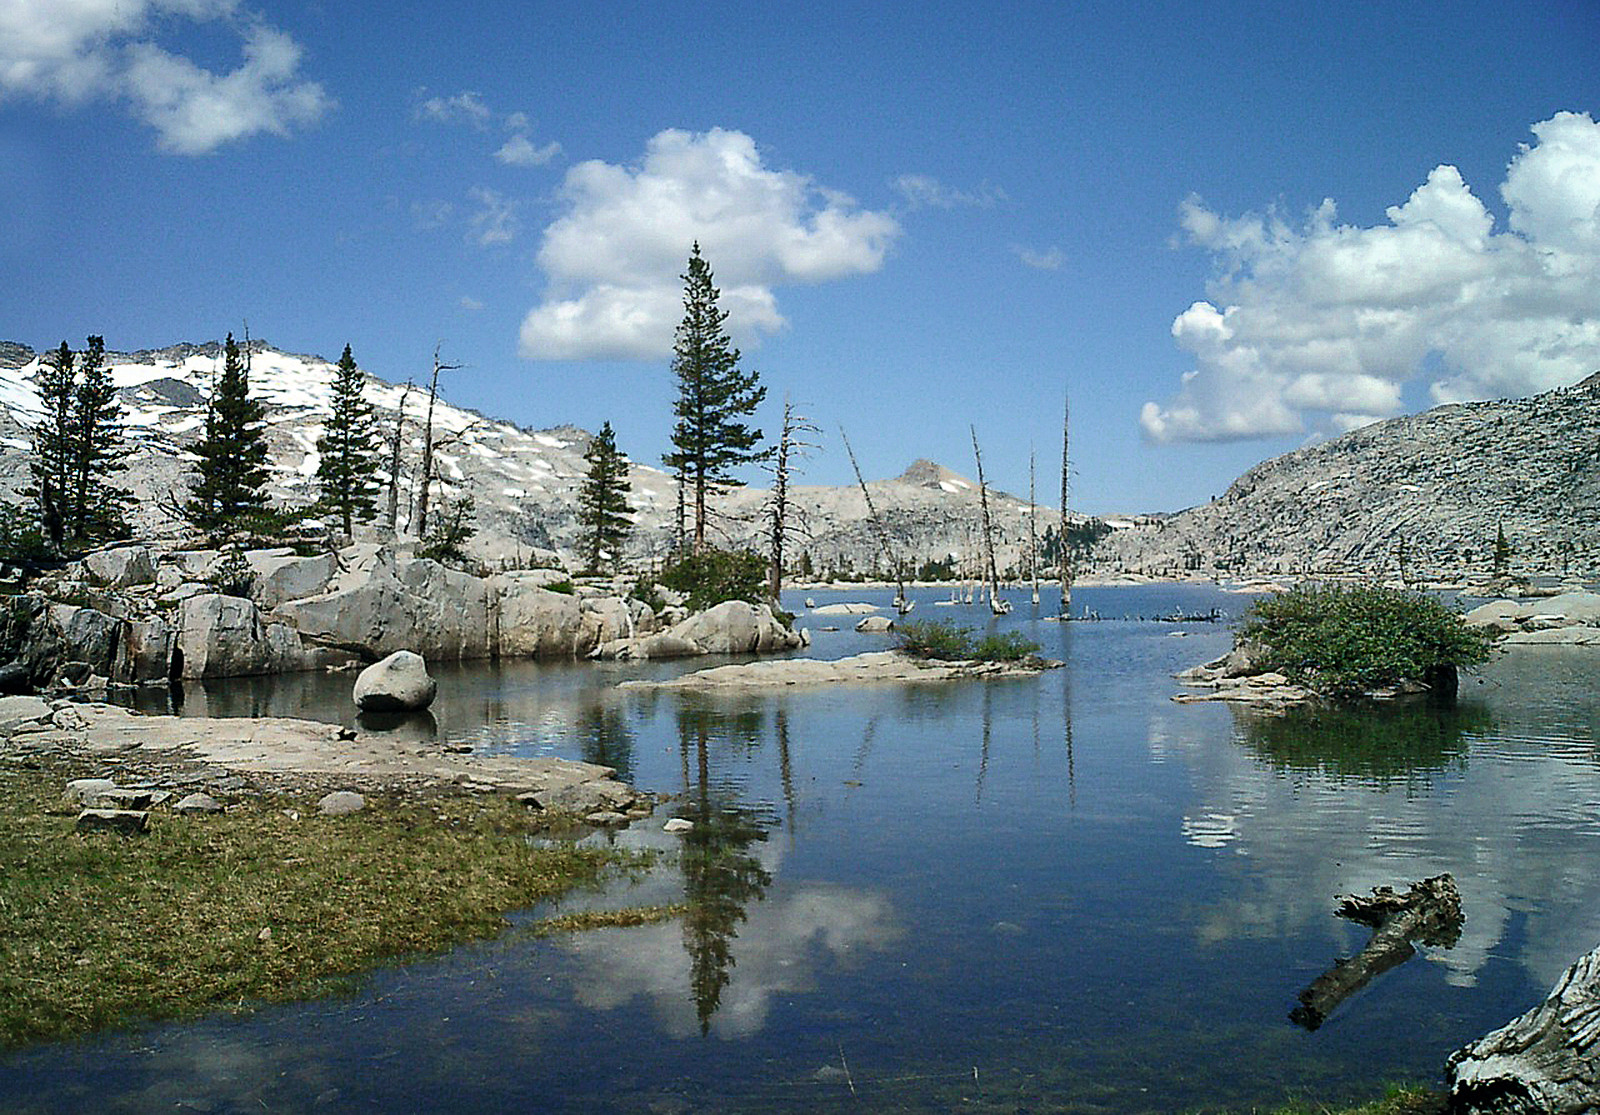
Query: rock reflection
[405, 727]
[1377, 743]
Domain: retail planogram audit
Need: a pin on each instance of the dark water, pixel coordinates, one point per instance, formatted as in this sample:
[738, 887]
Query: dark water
[1062, 894]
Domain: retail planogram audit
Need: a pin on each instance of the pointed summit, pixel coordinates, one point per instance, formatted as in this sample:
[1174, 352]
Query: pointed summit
[924, 473]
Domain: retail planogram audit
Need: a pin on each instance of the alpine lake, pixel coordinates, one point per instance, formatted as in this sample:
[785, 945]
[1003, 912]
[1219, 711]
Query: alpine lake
[1063, 893]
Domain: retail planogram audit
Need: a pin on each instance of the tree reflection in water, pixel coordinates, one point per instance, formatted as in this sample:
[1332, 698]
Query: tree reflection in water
[721, 874]
[1375, 742]
[605, 738]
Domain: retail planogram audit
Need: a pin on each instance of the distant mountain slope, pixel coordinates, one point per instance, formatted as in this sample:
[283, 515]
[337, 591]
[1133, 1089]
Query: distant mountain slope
[523, 482]
[1431, 489]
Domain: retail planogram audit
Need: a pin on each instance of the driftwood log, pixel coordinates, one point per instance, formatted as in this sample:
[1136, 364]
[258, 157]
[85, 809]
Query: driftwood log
[1429, 911]
[1546, 1062]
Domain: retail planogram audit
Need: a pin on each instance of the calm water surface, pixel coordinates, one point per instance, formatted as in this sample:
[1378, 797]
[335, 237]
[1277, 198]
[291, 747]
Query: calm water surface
[1061, 894]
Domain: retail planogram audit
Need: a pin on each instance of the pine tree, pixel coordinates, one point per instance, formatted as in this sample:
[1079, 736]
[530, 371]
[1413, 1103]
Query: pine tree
[603, 509]
[1502, 551]
[348, 468]
[230, 479]
[52, 444]
[76, 445]
[713, 394]
[98, 509]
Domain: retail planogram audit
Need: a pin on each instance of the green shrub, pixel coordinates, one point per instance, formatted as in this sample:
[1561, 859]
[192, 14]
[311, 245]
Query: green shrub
[560, 586]
[453, 525]
[20, 538]
[1342, 640]
[944, 640]
[712, 576]
[1005, 646]
[233, 575]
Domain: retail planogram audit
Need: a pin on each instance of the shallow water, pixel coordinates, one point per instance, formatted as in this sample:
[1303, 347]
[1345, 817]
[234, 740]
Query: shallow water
[1064, 894]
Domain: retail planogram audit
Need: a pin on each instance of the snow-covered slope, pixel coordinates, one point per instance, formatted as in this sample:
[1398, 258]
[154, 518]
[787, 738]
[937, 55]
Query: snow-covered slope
[524, 482]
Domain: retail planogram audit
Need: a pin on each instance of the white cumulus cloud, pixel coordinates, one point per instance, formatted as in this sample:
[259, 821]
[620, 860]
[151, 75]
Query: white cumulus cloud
[520, 151]
[614, 255]
[80, 51]
[465, 107]
[1319, 325]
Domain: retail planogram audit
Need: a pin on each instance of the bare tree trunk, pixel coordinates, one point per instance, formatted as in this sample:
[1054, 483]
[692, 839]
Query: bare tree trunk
[699, 509]
[1545, 1063]
[996, 605]
[420, 521]
[789, 445]
[780, 506]
[902, 605]
[1065, 556]
[679, 536]
[1033, 533]
[394, 461]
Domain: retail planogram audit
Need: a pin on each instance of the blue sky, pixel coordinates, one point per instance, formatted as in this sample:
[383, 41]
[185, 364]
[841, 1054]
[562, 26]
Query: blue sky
[921, 216]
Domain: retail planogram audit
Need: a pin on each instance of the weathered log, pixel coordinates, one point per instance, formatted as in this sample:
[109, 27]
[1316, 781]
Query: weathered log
[1429, 911]
[1545, 1063]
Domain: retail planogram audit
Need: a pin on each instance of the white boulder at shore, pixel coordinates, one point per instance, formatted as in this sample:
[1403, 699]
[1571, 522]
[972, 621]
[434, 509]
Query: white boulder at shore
[398, 683]
[1570, 619]
[732, 627]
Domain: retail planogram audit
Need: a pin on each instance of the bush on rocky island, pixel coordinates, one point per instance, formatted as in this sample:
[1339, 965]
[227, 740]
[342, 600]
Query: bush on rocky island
[942, 640]
[1346, 640]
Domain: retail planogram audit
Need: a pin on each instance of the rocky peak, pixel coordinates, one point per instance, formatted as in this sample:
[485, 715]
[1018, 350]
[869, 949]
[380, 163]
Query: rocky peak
[14, 355]
[924, 473]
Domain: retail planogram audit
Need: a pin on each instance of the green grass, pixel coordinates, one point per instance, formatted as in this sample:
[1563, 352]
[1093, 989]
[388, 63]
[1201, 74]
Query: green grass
[943, 640]
[1398, 1101]
[251, 906]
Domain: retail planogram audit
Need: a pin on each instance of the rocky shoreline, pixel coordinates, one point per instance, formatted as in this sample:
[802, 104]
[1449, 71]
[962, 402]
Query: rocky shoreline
[870, 667]
[169, 756]
[133, 616]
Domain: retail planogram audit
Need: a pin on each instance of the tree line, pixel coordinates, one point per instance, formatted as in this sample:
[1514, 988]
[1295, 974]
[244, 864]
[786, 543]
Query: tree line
[74, 503]
[78, 446]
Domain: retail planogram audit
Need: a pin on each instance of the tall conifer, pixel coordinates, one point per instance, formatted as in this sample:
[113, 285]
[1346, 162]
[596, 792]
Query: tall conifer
[98, 508]
[603, 509]
[230, 479]
[52, 444]
[713, 395]
[76, 445]
[347, 472]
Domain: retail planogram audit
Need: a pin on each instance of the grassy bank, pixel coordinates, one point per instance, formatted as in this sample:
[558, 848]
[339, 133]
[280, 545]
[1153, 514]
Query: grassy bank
[219, 912]
[1399, 1101]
